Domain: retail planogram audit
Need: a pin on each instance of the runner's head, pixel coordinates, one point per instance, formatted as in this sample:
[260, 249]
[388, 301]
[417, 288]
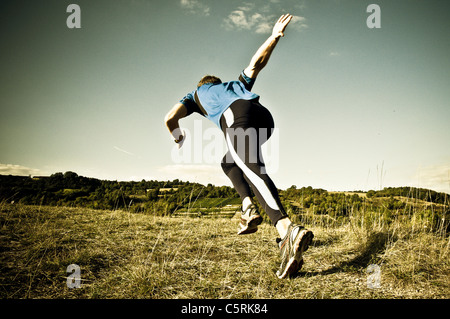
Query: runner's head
[209, 79]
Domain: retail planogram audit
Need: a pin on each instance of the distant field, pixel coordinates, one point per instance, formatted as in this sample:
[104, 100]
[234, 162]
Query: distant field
[130, 255]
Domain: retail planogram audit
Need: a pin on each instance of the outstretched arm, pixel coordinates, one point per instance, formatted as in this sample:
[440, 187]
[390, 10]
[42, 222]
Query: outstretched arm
[261, 57]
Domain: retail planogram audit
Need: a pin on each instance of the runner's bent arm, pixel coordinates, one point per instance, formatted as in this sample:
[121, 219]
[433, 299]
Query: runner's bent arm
[175, 114]
[261, 57]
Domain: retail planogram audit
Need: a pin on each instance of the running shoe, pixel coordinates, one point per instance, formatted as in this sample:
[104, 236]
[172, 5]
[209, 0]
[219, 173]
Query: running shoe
[292, 247]
[250, 219]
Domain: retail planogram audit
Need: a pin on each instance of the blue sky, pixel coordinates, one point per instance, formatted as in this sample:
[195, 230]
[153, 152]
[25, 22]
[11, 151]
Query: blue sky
[355, 108]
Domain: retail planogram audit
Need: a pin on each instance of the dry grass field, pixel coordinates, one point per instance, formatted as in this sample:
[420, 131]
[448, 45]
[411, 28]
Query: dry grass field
[130, 255]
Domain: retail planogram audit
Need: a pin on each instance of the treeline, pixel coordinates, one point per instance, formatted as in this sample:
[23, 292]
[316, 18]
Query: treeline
[339, 203]
[412, 192]
[70, 189]
[385, 205]
[319, 201]
[166, 197]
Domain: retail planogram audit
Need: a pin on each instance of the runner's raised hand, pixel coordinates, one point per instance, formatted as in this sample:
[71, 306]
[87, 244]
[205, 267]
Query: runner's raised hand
[281, 24]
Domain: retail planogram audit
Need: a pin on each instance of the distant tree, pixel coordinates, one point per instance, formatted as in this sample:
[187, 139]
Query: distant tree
[370, 194]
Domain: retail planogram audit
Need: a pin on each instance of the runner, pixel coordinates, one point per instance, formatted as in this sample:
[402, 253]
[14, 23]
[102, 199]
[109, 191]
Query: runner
[247, 125]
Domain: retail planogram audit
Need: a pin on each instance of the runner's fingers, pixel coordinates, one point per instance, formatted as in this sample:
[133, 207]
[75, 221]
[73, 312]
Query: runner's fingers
[284, 20]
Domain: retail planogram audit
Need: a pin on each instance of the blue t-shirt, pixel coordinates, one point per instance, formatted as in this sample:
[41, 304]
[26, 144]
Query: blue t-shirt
[216, 98]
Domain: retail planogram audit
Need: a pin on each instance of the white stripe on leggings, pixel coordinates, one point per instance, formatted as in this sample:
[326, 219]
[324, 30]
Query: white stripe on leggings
[255, 179]
[229, 117]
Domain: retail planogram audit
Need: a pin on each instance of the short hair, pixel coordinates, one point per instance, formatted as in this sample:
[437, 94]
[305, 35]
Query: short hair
[209, 79]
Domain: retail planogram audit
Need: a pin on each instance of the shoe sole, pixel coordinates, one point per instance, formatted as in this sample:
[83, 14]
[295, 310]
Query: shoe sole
[252, 226]
[301, 245]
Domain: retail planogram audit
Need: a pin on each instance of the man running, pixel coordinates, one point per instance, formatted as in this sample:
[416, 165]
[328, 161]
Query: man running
[247, 125]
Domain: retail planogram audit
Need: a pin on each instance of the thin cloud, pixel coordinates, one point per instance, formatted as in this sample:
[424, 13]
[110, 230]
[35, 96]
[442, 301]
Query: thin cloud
[195, 7]
[242, 20]
[124, 151]
[19, 170]
[261, 22]
[298, 23]
[435, 177]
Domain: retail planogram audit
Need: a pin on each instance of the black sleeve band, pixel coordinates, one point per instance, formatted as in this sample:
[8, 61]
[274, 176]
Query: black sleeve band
[248, 86]
[191, 107]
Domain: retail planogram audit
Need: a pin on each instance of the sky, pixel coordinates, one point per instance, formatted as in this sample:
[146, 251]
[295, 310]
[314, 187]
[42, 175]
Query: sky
[355, 108]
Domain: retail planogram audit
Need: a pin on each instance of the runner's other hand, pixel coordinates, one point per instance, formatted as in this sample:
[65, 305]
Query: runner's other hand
[180, 139]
